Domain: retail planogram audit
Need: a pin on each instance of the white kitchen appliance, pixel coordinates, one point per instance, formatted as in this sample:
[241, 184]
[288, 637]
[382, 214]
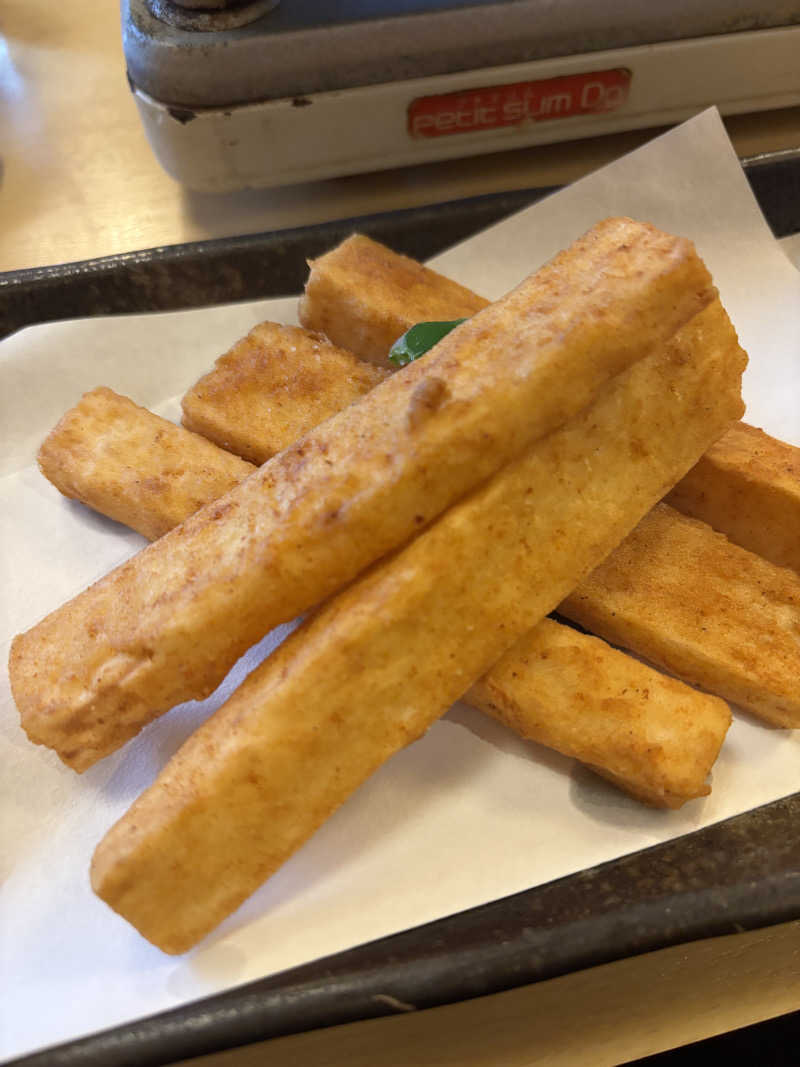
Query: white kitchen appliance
[246, 94]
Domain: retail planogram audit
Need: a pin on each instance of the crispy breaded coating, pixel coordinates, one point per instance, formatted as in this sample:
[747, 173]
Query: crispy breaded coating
[363, 297]
[167, 625]
[382, 660]
[747, 486]
[649, 734]
[710, 612]
[653, 736]
[102, 453]
[273, 386]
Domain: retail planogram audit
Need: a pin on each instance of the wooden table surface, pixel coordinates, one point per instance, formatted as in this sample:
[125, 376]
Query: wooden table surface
[78, 180]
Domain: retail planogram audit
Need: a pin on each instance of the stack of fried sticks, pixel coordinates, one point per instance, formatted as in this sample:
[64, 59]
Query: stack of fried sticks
[542, 480]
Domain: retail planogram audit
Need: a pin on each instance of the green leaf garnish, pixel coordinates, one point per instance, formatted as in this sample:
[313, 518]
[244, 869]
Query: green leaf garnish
[419, 340]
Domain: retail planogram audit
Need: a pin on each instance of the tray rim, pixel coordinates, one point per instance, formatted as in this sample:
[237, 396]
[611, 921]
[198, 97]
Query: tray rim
[472, 954]
[94, 286]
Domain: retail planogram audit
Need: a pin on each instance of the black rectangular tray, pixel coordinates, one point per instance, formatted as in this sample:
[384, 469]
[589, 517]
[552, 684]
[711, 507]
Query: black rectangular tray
[740, 874]
[264, 265]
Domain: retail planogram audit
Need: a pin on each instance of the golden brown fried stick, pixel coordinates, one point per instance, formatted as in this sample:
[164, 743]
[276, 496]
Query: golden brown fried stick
[272, 387]
[101, 453]
[651, 735]
[167, 625]
[363, 297]
[380, 661]
[747, 486]
[713, 613]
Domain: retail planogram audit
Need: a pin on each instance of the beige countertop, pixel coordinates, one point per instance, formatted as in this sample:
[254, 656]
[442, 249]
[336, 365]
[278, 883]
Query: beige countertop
[78, 181]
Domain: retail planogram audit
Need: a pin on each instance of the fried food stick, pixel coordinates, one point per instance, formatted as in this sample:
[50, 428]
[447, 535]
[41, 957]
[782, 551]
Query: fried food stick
[711, 612]
[273, 386]
[747, 486]
[382, 660]
[167, 625]
[101, 453]
[360, 293]
[649, 734]
[652, 736]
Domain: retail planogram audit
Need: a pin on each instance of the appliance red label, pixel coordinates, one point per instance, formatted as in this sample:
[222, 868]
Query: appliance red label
[512, 105]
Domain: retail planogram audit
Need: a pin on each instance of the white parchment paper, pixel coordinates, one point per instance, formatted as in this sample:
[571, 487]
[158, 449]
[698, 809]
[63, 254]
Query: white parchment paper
[466, 815]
